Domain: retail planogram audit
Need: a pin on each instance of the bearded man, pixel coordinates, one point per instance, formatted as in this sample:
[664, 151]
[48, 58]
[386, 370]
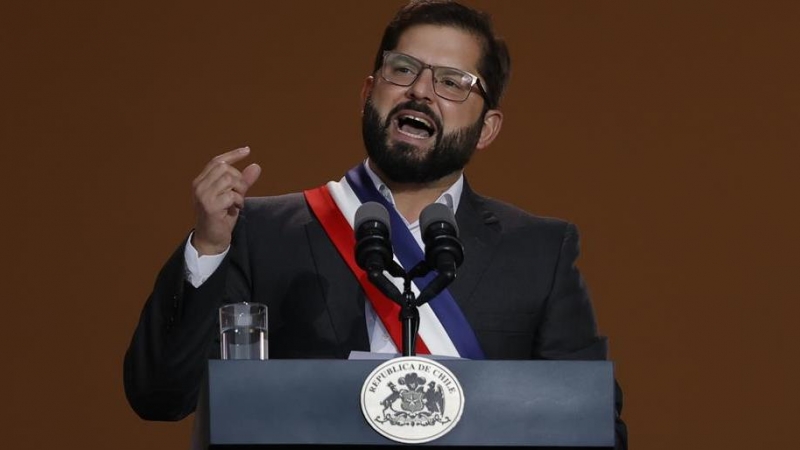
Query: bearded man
[430, 103]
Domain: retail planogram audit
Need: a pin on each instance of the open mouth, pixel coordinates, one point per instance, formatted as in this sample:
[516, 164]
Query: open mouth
[415, 126]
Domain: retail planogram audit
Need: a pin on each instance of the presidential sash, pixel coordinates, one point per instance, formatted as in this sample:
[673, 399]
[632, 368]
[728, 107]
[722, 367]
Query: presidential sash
[443, 328]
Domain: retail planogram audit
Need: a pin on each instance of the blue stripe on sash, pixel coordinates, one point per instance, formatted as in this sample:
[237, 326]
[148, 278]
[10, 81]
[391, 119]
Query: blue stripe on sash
[409, 254]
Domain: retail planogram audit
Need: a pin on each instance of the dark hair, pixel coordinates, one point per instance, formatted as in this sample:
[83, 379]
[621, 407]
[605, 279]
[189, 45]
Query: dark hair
[495, 63]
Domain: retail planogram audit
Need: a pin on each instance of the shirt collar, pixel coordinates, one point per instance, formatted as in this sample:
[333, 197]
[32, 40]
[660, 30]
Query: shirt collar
[451, 197]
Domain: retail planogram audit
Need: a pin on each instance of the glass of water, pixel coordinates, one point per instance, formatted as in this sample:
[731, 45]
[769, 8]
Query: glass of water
[243, 331]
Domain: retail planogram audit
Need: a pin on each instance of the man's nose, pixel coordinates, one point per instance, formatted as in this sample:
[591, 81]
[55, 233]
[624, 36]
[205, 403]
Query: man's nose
[422, 87]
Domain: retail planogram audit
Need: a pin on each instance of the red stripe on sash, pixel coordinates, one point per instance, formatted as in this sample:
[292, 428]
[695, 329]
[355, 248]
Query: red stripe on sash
[341, 234]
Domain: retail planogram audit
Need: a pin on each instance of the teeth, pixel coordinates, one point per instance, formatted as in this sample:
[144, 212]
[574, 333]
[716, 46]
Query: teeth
[418, 119]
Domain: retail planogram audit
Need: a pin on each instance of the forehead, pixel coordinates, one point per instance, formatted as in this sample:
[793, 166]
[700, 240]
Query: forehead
[441, 46]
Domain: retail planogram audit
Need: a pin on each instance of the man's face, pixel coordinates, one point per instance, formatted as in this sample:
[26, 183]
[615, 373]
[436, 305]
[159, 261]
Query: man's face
[413, 135]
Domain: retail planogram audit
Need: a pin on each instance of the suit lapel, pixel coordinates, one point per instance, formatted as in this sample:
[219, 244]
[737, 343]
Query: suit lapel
[343, 295]
[480, 232]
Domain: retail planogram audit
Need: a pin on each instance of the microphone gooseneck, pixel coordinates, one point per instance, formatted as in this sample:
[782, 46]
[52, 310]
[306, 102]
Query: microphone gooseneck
[444, 253]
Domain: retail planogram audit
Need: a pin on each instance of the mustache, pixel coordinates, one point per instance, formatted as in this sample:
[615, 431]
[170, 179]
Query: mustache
[418, 107]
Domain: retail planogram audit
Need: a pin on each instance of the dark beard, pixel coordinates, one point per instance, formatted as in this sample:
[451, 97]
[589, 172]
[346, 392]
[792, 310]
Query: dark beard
[404, 163]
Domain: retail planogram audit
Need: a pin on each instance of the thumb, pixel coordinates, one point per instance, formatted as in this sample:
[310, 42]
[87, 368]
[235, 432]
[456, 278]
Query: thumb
[250, 174]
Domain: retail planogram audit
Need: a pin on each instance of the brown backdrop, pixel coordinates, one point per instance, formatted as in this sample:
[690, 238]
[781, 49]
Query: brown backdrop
[666, 131]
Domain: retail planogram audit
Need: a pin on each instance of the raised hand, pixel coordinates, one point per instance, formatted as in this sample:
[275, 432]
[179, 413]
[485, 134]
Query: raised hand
[218, 194]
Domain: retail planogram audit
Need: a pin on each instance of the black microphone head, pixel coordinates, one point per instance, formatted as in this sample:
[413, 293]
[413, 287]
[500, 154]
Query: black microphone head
[443, 251]
[373, 237]
[437, 212]
[372, 211]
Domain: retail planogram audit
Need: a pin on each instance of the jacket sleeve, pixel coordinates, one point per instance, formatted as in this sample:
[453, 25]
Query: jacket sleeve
[178, 332]
[569, 329]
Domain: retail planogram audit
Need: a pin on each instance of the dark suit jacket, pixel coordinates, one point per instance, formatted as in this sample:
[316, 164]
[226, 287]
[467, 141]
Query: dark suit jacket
[519, 288]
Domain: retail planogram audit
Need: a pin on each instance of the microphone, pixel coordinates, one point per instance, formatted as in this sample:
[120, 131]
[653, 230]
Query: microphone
[443, 250]
[373, 237]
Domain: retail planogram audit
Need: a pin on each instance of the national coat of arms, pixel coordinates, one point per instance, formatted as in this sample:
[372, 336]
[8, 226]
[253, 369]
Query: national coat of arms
[412, 400]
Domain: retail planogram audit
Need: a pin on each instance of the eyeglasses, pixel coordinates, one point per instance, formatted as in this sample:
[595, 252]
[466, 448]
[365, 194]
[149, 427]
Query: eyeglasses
[448, 83]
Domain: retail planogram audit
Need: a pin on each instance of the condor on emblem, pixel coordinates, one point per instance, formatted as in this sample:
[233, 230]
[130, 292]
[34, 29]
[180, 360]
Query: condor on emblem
[412, 400]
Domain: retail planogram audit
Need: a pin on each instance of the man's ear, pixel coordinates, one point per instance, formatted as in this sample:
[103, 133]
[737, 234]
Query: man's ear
[366, 89]
[492, 122]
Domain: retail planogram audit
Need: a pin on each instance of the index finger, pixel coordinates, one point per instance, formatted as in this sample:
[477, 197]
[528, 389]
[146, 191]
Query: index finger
[226, 158]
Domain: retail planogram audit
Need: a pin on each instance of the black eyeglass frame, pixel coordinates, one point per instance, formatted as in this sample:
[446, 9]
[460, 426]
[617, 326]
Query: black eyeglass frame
[475, 80]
